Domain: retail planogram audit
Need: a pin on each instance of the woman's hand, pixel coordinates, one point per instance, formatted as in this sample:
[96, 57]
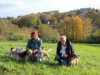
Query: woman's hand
[65, 56]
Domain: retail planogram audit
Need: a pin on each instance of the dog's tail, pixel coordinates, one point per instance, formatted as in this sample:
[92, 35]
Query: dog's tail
[49, 50]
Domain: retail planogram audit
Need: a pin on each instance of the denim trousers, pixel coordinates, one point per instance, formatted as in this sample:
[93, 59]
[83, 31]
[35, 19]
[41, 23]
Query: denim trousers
[59, 59]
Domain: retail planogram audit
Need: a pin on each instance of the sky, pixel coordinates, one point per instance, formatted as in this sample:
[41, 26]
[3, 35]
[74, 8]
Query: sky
[14, 8]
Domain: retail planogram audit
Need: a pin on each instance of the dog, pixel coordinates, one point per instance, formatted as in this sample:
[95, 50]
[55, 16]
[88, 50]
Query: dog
[41, 53]
[73, 59]
[18, 49]
[24, 54]
[13, 51]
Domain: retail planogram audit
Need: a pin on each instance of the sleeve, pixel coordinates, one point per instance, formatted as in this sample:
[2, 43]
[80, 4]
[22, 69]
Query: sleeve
[58, 49]
[72, 49]
[28, 44]
[40, 43]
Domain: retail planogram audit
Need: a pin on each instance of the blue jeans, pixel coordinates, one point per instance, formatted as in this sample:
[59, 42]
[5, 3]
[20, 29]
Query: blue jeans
[58, 58]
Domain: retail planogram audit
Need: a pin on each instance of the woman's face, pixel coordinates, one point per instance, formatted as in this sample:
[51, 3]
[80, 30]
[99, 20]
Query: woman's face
[35, 37]
[63, 41]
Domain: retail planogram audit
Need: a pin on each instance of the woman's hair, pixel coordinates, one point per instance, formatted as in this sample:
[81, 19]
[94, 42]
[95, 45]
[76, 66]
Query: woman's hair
[63, 37]
[34, 32]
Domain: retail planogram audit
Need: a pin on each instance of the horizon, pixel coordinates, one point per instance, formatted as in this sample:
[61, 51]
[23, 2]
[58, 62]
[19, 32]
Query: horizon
[15, 8]
[45, 12]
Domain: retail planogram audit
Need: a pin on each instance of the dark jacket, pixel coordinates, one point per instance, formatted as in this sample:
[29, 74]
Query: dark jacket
[69, 49]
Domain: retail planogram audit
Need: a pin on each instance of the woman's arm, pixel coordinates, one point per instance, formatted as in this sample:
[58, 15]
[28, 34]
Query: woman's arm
[40, 43]
[72, 49]
[28, 44]
[58, 49]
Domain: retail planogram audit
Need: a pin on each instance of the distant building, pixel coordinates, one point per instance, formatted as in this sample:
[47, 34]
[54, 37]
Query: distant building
[82, 10]
[52, 25]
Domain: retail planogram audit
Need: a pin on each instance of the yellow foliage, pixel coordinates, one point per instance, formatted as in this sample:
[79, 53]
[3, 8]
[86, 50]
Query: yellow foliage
[72, 27]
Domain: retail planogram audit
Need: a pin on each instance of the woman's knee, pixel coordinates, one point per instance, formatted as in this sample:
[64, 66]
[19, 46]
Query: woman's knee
[57, 57]
[64, 62]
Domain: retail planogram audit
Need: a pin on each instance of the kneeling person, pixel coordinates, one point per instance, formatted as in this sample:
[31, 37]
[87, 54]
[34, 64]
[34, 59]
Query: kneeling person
[64, 49]
[34, 43]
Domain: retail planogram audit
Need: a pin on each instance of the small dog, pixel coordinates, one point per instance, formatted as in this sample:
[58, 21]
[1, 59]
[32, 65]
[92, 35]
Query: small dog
[18, 49]
[25, 54]
[13, 51]
[73, 59]
[41, 53]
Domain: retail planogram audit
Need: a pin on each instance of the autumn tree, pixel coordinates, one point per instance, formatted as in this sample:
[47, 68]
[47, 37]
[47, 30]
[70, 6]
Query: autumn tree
[15, 21]
[9, 31]
[38, 22]
[72, 28]
[44, 18]
[46, 33]
[28, 21]
[95, 18]
[77, 28]
[65, 27]
[87, 26]
[71, 13]
[57, 15]
[53, 20]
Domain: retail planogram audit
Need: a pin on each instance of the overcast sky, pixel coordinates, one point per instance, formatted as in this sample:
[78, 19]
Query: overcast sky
[14, 8]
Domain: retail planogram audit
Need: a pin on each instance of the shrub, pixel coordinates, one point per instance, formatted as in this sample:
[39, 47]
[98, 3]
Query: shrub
[47, 34]
[94, 38]
[9, 31]
[27, 21]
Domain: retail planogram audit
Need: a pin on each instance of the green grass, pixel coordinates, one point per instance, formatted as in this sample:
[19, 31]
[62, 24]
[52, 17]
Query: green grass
[89, 63]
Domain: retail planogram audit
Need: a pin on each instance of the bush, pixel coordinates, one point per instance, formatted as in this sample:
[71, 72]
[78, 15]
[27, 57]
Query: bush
[94, 38]
[16, 36]
[26, 21]
[47, 34]
[11, 32]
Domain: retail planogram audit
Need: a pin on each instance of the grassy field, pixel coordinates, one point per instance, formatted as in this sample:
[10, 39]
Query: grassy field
[89, 63]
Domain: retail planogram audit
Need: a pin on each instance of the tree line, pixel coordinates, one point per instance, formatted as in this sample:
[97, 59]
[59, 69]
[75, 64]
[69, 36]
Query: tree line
[78, 27]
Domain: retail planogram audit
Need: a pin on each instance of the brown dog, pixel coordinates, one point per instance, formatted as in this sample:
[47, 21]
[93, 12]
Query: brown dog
[45, 53]
[29, 53]
[73, 59]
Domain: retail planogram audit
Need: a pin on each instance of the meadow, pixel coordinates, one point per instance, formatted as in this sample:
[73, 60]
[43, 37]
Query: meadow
[89, 63]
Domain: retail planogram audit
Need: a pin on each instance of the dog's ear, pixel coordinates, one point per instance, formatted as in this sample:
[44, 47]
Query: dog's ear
[74, 55]
[42, 47]
[11, 49]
